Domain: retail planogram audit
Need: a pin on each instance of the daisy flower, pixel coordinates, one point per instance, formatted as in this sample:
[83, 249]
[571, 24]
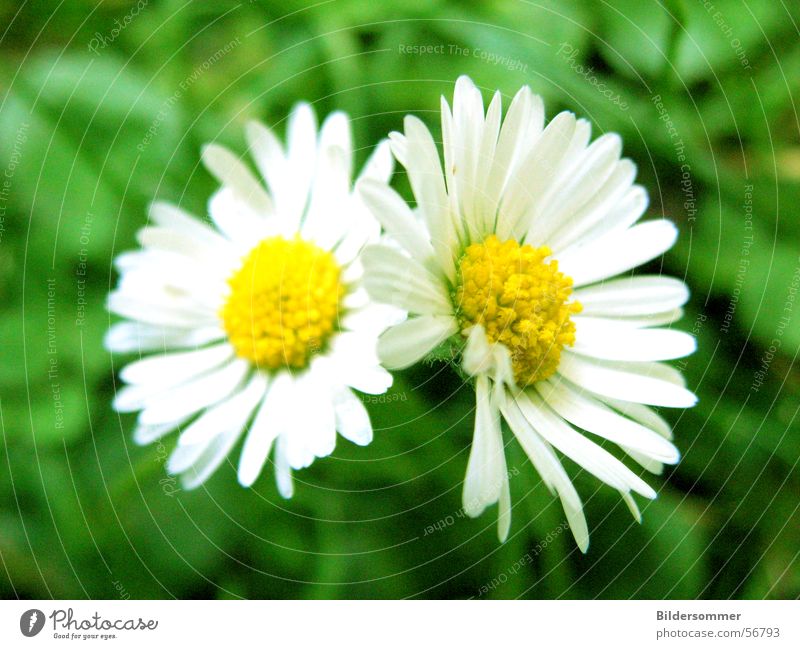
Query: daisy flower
[259, 322]
[517, 259]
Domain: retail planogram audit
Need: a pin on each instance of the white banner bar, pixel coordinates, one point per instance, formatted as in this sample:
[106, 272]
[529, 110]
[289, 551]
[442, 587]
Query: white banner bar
[389, 625]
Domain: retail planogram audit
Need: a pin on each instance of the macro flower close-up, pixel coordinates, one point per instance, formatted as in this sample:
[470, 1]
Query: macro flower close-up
[517, 258]
[369, 302]
[257, 321]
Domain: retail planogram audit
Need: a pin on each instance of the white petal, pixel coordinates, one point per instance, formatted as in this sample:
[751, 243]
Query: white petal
[392, 278]
[625, 381]
[648, 418]
[449, 158]
[316, 424]
[356, 299]
[399, 147]
[380, 164]
[268, 154]
[183, 457]
[355, 363]
[131, 398]
[575, 149]
[632, 506]
[653, 320]
[174, 368]
[589, 455]
[464, 144]
[585, 412]
[233, 173]
[484, 204]
[372, 319]
[486, 466]
[174, 218]
[215, 430]
[477, 357]
[482, 357]
[425, 176]
[603, 204]
[550, 468]
[660, 371]
[225, 414]
[504, 505]
[124, 337]
[237, 219]
[272, 416]
[406, 343]
[170, 240]
[653, 466]
[521, 127]
[562, 199]
[158, 312]
[628, 210]
[181, 287]
[629, 296]
[335, 132]
[210, 460]
[143, 260]
[352, 419]
[617, 342]
[144, 435]
[533, 176]
[363, 230]
[396, 217]
[171, 280]
[193, 396]
[283, 472]
[295, 435]
[503, 375]
[616, 253]
[370, 380]
[643, 414]
[324, 224]
[301, 154]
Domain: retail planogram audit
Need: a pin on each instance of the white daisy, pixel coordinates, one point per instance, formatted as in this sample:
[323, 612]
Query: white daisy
[508, 259]
[262, 319]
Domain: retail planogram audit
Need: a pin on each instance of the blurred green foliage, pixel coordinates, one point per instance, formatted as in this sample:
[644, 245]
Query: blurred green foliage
[85, 513]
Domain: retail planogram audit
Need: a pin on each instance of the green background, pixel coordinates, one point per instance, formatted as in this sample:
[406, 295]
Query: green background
[85, 513]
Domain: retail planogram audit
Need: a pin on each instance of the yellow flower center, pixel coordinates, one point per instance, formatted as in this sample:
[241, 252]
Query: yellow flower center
[521, 301]
[284, 303]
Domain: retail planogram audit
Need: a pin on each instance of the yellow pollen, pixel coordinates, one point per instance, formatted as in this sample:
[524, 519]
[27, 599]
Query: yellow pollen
[284, 303]
[521, 301]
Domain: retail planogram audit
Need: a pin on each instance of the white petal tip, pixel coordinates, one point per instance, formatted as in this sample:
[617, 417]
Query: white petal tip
[503, 527]
[672, 458]
[139, 440]
[472, 507]
[649, 493]
[302, 106]
[253, 125]
[364, 439]
[286, 488]
[247, 478]
[190, 482]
